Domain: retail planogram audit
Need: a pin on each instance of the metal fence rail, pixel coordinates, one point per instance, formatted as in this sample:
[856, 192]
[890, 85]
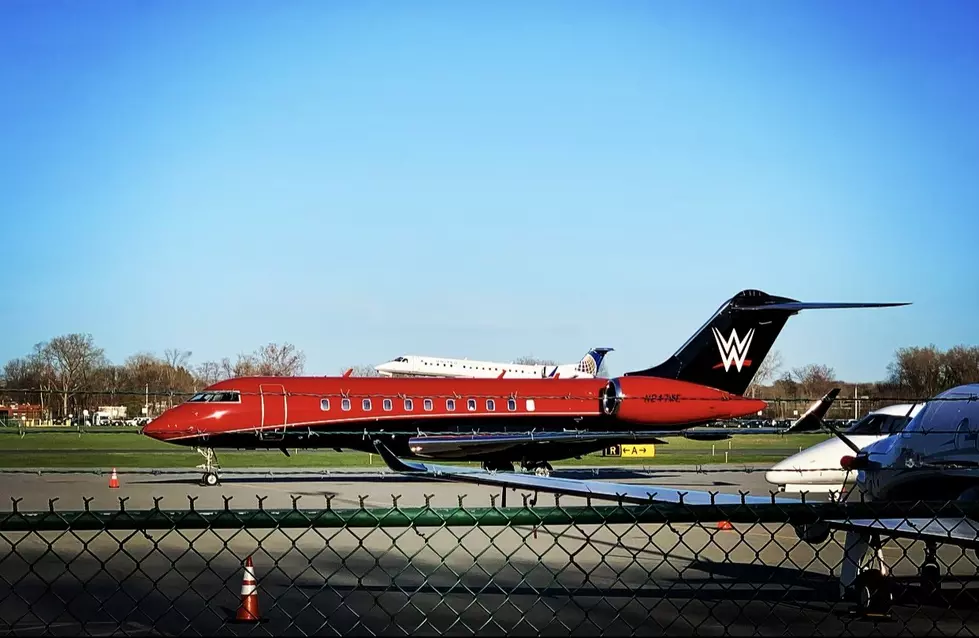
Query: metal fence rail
[554, 570]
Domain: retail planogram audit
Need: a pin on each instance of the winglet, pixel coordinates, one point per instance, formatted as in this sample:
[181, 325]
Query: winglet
[348, 372]
[501, 375]
[392, 461]
[813, 417]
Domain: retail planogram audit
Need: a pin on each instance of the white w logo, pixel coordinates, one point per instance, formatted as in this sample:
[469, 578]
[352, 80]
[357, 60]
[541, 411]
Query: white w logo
[733, 350]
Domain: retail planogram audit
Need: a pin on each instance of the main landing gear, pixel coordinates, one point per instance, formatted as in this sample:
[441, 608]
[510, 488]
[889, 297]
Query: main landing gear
[870, 589]
[930, 573]
[872, 592]
[540, 468]
[210, 466]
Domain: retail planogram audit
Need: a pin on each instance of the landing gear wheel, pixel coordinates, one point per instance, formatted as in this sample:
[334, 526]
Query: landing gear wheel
[873, 595]
[812, 533]
[931, 574]
[210, 479]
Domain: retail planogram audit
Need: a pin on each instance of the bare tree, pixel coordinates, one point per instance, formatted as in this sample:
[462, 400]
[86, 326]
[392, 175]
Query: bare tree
[919, 369]
[960, 365]
[176, 375]
[245, 366]
[70, 360]
[766, 371]
[280, 361]
[362, 371]
[206, 374]
[814, 379]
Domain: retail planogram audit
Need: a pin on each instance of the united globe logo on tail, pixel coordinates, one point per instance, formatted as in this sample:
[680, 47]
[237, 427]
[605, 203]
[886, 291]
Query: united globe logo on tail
[733, 350]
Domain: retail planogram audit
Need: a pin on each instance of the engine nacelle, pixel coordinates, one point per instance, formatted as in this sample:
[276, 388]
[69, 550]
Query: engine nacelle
[656, 401]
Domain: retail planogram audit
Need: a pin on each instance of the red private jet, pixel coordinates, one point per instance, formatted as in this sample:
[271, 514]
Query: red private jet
[497, 421]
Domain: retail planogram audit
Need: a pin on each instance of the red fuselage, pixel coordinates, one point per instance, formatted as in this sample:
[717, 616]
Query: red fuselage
[350, 412]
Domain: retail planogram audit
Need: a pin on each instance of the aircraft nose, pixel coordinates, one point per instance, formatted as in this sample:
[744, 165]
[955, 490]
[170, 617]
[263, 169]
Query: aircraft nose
[783, 472]
[155, 429]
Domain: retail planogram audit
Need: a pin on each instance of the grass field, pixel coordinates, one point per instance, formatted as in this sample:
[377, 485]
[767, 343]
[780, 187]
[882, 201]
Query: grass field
[127, 449]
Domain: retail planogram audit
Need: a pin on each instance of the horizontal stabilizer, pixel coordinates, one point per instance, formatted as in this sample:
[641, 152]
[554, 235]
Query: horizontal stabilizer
[795, 306]
[618, 492]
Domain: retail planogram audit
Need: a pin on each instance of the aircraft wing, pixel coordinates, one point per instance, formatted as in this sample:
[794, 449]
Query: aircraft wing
[959, 531]
[619, 492]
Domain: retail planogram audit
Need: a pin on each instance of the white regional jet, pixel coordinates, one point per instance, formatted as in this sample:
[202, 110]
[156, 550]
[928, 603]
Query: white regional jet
[817, 468]
[418, 366]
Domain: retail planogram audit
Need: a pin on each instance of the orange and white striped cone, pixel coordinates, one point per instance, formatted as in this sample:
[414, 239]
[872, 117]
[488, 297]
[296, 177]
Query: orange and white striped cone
[113, 480]
[725, 525]
[248, 610]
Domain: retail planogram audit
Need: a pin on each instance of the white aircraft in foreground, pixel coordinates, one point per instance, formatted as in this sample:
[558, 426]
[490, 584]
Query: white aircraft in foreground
[935, 458]
[817, 468]
[419, 366]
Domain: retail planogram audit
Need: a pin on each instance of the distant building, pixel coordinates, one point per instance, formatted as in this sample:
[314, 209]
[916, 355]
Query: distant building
[21, 412]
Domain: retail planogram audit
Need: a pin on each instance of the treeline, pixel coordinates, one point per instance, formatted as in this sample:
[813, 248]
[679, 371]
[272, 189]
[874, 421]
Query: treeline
[915, 373]
[71, 373]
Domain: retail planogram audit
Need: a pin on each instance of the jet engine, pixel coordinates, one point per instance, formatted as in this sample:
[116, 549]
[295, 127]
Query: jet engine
[656, 401]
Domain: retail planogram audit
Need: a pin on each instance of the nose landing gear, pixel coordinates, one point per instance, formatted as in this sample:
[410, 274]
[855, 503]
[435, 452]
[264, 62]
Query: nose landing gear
[210, 467]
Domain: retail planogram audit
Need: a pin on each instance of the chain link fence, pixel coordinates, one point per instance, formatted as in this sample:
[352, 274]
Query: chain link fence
[662, 569]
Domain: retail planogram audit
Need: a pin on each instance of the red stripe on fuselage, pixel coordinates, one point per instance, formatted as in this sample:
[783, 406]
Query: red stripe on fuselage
[287, 403]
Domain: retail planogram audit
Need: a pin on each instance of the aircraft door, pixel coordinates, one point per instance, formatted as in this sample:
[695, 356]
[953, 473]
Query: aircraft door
[275, 410]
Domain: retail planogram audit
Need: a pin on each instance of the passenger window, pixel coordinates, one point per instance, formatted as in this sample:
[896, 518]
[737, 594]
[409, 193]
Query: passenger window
[511, 405]
[428, 405]
[471, 405]
[450, 405]
[345, 405]
[366, 404]
[409, 405]
[490, 405]
[530, 405]
[387, 405]
[324, 404]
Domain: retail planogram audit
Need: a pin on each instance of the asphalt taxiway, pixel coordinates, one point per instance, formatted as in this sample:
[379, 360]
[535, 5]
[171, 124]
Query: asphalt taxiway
[663, 579]
[345, 488]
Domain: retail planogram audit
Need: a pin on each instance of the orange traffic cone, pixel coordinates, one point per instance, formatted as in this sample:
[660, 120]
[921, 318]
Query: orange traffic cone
[113, 480]
[724, 525]
[248, 611]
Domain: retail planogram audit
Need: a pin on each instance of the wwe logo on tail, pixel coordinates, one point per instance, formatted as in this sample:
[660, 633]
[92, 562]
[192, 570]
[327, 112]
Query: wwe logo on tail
[733, 350]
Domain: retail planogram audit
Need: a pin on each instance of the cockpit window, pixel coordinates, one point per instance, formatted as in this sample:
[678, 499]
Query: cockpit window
[216, 397]
[402, 360]
[868, 425]
[879, 424]
[917, 423]
[896, 424]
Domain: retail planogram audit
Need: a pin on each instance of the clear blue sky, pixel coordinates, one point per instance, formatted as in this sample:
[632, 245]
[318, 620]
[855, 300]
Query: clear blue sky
[369, 179]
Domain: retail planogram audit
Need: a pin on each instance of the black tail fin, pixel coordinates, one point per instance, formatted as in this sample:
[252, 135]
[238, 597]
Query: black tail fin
[728, 350]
